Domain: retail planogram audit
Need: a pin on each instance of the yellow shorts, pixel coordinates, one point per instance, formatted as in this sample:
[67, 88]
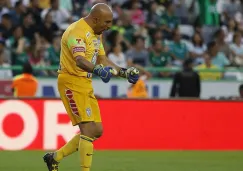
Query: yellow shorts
[78, 98]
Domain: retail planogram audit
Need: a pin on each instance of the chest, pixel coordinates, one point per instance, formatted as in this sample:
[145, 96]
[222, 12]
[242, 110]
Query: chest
[93, 44]
[238, 49]
[178, 48]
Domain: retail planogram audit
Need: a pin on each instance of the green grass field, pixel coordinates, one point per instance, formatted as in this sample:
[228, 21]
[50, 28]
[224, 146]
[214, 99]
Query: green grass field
[130, 161]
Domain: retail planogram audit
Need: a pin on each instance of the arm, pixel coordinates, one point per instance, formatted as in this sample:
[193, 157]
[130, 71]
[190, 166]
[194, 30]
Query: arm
[84, 64]
[102, 59]
[20, 47]
[132, 73]
[77, 47]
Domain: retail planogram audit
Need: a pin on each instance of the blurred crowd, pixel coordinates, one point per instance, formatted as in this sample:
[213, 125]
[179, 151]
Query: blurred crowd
[149, 33]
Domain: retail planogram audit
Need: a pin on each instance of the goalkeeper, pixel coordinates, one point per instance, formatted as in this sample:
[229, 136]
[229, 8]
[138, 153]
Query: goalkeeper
[82, 54]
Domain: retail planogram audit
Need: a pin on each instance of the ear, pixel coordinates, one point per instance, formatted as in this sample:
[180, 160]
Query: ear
[95, 20]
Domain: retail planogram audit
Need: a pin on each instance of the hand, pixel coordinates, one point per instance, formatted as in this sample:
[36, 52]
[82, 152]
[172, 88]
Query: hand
[105, 73]
[132, 75]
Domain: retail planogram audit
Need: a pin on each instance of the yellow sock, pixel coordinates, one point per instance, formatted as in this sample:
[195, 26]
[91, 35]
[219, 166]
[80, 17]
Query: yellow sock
[69, 148]
[86, 152]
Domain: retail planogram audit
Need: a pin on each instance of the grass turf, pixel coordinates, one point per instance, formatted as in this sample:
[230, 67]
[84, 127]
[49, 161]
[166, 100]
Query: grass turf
[130, 161]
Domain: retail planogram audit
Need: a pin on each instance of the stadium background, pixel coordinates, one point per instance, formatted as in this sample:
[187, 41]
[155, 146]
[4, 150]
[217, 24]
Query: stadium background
[179, 134]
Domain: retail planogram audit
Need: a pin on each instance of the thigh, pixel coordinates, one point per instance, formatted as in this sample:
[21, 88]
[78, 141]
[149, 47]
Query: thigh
[95, 108]
[77, 103]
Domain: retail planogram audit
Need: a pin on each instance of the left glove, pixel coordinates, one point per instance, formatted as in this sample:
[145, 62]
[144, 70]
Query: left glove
[105, 73]
[132, 74]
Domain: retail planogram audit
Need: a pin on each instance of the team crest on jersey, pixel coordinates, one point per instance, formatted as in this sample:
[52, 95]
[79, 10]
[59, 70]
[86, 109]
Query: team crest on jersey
[88, 34]
[88, 112]
[96, 43]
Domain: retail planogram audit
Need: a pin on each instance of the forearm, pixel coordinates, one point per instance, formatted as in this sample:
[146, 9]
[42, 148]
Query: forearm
[107, 62]
[84, 64]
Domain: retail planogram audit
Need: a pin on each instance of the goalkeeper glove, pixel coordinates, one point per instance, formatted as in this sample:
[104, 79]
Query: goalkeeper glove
[105, 73]
[132, 74]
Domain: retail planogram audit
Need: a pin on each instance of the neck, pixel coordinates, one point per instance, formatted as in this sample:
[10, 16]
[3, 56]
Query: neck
[208, 65]
[138, 48]
[18, 11]
[220, 41]
[89, 22]
[169, 13]
[8, 25]
[238, 43]
[187, 69]
[54, 8]
[213, 54]
[157, 52]
[26, 25]
[116, 53]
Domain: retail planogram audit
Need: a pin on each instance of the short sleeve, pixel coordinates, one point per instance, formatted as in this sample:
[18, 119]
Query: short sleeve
[190, 47]
[76, 45]
[225, 59]
[101, 50]
[163, 21]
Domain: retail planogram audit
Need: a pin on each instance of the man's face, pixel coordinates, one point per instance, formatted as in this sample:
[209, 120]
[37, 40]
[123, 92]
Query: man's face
[103, 23]
[171, 8]
[215, 49]
[140, 43]
[207, 59]
[55, 4]
[1, 47]
[5, 21]
[158, 46]
[177, 36]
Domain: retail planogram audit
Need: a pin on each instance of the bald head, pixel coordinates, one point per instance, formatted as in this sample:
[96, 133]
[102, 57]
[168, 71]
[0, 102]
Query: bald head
[100, 9]
[100, 17]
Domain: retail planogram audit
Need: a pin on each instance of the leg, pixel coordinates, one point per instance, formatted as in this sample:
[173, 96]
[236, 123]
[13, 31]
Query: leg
[69, 148]
[68, 98]
[73, 145]
[89, 131]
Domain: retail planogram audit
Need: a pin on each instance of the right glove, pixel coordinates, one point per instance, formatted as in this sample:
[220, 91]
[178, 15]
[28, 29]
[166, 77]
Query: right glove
[105, 73]
[131, 74]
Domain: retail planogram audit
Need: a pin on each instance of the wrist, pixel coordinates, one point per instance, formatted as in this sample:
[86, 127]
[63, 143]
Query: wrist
[96, 69]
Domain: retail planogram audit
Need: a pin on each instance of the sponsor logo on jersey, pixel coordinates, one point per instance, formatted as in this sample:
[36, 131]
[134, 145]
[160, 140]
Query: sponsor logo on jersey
[78, 49]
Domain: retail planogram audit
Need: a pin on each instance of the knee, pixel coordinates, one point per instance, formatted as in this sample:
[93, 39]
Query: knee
[98, 132]
[91, 129]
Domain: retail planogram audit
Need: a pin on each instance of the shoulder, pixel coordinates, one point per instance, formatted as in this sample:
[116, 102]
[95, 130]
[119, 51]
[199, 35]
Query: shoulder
[78, 27]
[34, 79]
[111, 55]
[221, 55]
[232, 46]
[200, 66]
[18, 77]
[6, 65]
